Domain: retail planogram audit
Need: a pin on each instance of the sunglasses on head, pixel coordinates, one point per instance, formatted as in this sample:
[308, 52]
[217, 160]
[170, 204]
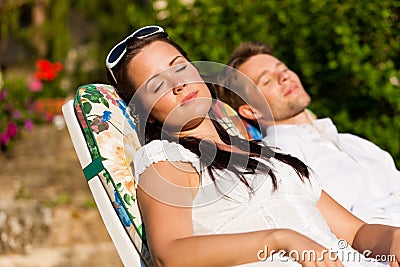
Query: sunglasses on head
[119, 50]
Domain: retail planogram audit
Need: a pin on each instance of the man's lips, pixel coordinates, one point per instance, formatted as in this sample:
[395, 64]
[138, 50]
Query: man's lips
[291, 89]
[189, 97]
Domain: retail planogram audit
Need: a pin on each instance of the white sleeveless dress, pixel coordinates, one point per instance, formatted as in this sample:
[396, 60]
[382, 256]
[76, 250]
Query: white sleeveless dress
[228, 206]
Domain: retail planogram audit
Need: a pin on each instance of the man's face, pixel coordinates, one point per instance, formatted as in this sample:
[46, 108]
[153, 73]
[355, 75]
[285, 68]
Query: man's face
[281, 87]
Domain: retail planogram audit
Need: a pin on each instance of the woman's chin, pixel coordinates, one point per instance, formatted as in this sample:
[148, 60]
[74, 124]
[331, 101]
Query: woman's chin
[188, 116]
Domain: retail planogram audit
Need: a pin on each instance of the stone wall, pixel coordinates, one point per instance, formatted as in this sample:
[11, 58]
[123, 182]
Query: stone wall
[47, 214]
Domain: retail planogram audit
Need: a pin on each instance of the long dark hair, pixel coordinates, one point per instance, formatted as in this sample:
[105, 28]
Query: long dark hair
[239, 163]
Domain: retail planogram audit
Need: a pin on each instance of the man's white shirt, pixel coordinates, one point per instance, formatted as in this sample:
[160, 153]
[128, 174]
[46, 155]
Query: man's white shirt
[355, 172]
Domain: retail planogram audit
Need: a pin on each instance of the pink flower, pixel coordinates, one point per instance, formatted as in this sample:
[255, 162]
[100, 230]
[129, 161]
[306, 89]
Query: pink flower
[3, 94]
[98, 125]
[4, 138]
[9, 107]
[17, 114]
[95, 128]
[28, 124]
[35, 85]
[12, 129]
[108, 96]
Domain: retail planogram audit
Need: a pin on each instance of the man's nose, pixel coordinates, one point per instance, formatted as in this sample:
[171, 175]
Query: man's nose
[283, 76]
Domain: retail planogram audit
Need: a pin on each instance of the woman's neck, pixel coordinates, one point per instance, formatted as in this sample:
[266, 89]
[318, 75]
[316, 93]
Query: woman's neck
[204, 130]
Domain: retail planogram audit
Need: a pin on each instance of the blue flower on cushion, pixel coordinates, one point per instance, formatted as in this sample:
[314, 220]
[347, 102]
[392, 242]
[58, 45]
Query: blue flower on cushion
[122, 106]
[106, 115]
[121, 211]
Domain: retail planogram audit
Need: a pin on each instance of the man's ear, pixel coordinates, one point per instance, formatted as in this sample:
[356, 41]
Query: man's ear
[247, 112]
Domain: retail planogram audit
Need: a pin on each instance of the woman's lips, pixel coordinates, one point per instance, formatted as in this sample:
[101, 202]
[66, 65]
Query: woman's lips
[189, 98]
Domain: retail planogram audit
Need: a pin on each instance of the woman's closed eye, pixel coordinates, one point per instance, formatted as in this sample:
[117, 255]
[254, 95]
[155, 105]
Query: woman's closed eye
[180, 68]
[158, 87]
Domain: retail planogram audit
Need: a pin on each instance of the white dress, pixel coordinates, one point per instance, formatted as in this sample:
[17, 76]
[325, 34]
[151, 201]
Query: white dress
[292, 205]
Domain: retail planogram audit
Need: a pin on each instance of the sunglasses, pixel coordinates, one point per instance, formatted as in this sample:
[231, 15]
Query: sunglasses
[119, 50]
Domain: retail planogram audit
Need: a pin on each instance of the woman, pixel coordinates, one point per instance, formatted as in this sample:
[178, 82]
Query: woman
[210, 199]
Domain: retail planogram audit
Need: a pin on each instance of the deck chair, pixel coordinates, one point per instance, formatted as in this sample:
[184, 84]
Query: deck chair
[95, 123]
[105, 147]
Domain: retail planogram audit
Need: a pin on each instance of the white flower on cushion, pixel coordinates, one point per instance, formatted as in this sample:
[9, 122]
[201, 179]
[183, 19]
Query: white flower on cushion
[116, 162]
[131, 144]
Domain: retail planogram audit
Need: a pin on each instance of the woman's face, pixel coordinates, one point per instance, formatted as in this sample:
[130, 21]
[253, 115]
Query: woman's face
[169, 87]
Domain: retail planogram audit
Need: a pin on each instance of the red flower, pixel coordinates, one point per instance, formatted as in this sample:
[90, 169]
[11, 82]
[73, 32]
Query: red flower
[48, 117]
[47, 71]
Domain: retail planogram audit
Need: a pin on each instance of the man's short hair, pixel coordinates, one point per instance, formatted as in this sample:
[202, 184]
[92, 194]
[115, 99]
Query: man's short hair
[246, 50]
[239, 56]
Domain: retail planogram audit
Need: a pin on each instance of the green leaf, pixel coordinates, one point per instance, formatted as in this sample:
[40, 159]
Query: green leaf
[107, 176]
[94, 99]
[105, 102]
[127, 199]
[87, 107]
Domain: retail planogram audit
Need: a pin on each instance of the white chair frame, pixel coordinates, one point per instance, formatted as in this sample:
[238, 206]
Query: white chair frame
[124, 245]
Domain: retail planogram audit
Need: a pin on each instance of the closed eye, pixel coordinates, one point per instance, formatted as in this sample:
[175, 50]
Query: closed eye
[181, 68]
[158, 87]
[266, 82]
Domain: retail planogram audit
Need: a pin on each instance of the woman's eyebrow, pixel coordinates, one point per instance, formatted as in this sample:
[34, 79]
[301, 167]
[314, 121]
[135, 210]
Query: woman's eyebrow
[156, 75]
[174, 59]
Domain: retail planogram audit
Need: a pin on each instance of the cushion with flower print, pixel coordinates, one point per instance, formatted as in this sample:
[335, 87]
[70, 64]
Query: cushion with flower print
[111, 137]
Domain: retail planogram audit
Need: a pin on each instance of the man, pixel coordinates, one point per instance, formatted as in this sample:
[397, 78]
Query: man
[358, 174]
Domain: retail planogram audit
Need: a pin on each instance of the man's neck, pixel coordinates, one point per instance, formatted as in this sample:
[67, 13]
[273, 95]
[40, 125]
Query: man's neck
[301, 118]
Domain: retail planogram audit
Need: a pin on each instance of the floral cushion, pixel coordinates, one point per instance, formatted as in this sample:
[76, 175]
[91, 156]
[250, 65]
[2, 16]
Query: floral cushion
[110, 134]
[112, 140]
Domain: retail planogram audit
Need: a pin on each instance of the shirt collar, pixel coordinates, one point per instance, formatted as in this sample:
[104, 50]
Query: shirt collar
[318, 127]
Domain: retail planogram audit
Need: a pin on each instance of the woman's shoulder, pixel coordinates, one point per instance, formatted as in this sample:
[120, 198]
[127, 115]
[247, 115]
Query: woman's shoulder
[162, 150]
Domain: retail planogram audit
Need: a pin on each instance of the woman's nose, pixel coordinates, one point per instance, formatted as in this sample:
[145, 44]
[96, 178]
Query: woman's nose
[177, 89]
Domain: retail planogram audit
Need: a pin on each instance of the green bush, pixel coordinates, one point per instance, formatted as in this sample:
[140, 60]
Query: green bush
[347, 53]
